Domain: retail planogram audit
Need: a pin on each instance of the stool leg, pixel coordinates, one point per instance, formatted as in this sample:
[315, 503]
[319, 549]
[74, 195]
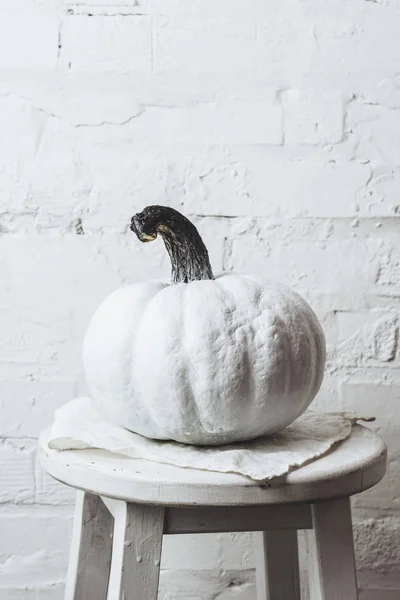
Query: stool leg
[135, 566]
[277, 565]
[90, 555]
[332, 570]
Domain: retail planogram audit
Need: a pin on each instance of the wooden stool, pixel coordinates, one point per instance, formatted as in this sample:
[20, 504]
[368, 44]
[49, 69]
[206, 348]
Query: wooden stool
[116, 546]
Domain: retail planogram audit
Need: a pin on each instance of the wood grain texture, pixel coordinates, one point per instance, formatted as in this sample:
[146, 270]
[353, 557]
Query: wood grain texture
[230, 519]
[135, 568]
[332, 569]
[353, 466]
[90, 556]
[277, 565]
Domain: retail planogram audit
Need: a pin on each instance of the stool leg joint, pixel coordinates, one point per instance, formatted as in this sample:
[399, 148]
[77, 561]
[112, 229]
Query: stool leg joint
[332, 570]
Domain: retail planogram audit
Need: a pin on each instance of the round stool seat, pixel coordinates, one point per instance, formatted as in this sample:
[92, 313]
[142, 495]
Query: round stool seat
[352, 466]
[115, 557]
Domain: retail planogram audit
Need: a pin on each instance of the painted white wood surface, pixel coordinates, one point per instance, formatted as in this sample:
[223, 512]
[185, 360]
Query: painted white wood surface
[137, 543]
[353, 466]
[208, 519]
[332, 569]
[233, 519]
[277, 565]
[90, 554]
[73, 563]
[187, 501]
[135, 568]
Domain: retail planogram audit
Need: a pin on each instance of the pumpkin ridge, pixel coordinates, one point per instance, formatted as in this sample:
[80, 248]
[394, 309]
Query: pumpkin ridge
[188, 370]
[136, 349]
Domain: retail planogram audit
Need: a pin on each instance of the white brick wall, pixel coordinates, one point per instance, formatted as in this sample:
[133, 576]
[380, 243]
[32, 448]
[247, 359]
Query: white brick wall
[276, 126]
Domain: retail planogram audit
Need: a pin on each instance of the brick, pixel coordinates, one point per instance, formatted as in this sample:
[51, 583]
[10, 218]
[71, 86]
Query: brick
[28, 406]
[366, 338]
[207, 585]
[287, 44]
[94, 100]
[265, 187]
[388, 272]
[50, 492]
[181, 553]
[22, 127]
[225, 122]
[306, 264]
[225, 27]
[239, 122]
[49, 592]
[99, 44]
[353, 41]
[100, 98]
[228, 551]
[208, 8]
[127, 183]
[33, 337]
[379, 398]
[237, 551]
[377, 128]
[83, 99]
[376, 544]
[39, 529]
[313, 116]
[39, 6]
[17, 481]
[36, 543]
[59, 182]
[328, 398]
[380, 196]
[79, 268]
[179, 48]
[384, 496]
[28, 41]
[281, 49]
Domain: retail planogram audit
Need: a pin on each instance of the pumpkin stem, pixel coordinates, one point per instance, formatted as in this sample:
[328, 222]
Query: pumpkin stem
[188, 254]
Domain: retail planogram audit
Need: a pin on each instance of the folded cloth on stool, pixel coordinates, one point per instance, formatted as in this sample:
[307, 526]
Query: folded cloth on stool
[80, 424]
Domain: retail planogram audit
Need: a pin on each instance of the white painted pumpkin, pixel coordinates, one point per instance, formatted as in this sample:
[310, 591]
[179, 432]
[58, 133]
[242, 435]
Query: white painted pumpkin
[211, 361]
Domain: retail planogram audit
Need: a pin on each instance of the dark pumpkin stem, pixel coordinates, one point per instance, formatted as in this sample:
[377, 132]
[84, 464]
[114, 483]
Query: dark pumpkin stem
[188, 254]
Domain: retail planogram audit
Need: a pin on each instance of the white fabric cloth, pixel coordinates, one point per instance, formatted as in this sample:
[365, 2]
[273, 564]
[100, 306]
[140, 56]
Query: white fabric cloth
[79, 424]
